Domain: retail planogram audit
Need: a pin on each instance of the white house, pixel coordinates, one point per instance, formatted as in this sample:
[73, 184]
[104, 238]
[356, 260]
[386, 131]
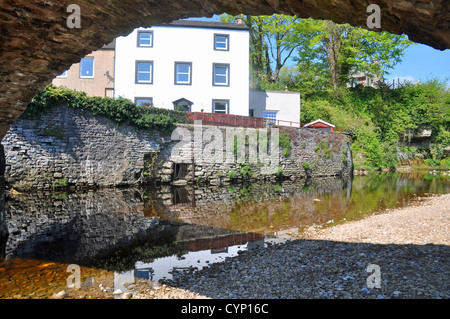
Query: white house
[201, 65]
[281, 107]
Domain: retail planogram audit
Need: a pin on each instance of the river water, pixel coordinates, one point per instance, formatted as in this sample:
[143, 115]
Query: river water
[155, 232]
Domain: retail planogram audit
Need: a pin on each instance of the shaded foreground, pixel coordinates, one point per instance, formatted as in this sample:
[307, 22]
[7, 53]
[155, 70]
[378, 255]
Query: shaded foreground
[409, 245]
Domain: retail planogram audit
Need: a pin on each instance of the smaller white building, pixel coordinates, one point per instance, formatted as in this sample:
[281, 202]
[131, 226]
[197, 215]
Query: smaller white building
[281, 107]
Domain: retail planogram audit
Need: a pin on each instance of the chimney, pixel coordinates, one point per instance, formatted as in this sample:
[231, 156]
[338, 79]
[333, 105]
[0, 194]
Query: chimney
[239, 19]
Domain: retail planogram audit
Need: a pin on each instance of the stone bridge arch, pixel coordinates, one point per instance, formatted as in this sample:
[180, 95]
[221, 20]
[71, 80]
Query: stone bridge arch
[36, 44]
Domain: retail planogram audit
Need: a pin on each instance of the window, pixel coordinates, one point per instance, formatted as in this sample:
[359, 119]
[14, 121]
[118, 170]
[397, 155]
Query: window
[270, 116]
[221, 74]
[221, 106]
[145, 39]
[251, 112]
[221, 42]
[183, 73]
[87, 68]
[144, 72]
[143, 100]
[62, 75]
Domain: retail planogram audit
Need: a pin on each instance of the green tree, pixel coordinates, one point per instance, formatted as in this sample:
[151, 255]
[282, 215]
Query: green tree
[336, 51]
[324, 53]
[273, 41]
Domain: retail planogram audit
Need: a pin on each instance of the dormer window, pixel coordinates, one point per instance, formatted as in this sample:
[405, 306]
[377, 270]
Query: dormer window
[221, 42]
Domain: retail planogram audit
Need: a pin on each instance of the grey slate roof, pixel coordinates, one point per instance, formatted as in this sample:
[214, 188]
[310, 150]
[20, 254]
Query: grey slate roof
[205, 24]
[109, 46]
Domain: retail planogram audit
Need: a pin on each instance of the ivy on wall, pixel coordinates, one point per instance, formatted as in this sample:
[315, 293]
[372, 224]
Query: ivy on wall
[120, 110]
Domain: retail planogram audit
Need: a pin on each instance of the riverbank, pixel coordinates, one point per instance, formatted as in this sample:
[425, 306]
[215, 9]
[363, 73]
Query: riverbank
[410, 246]
[426, 221]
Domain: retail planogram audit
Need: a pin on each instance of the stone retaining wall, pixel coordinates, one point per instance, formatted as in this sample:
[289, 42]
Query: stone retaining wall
[72, 148]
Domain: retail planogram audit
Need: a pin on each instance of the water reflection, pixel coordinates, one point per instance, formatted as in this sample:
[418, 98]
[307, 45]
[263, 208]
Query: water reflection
[156, 232]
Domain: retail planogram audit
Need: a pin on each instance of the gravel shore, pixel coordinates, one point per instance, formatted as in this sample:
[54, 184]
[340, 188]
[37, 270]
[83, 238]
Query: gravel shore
[395, 254]
[401, 253]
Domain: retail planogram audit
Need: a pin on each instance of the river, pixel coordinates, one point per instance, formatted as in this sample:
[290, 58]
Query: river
[155, 232]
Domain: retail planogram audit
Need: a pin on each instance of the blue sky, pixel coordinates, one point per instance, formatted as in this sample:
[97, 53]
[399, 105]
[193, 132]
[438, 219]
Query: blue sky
[422, 62]
[419, 63]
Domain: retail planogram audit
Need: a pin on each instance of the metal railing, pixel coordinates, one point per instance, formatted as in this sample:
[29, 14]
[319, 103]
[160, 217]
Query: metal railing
[226, 119]
[243, 121]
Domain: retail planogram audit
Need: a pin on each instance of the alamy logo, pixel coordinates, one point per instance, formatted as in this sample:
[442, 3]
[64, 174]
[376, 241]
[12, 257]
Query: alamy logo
[374, 20]
[74, 20]
[236, 144]
[74, 279]
[374, 280]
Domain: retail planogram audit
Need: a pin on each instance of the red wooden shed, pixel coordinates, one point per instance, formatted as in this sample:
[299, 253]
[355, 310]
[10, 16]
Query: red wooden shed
[321, 125]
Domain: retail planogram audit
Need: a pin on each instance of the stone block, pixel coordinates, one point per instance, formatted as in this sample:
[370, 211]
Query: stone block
[179, 182]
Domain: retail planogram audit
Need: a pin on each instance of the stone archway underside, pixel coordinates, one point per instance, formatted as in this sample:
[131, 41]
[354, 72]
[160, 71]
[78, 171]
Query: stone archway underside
[36, 44]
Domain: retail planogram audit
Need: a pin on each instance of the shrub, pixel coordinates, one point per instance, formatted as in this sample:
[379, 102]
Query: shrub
[246, 171]
[231, 174]
[120, 110]
[306, 165]
[285, 143]
[323, 149]
[344, 158]
[59, 183]
[279, 171]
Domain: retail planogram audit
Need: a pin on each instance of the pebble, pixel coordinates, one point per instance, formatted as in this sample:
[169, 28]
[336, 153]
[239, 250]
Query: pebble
[329, 264]
[336, 265]
[59, 295]
[117, 292]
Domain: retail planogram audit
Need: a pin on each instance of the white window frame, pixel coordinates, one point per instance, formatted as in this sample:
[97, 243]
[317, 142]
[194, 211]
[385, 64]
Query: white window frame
[137, 99]
[189, 82]
[227, 75]
[137, 81]
[227, 106]
[227, 42]
[81, 68]
[139, 45]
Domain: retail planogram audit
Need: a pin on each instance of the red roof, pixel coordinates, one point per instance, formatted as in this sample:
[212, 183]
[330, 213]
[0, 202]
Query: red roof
[319, 123]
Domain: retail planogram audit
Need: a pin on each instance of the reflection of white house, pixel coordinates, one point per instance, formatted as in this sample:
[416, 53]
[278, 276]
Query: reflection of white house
[281, 107]
[200, 65]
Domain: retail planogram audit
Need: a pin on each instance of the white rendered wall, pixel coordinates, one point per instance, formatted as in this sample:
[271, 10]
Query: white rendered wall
[287, 105]
[185, 44]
